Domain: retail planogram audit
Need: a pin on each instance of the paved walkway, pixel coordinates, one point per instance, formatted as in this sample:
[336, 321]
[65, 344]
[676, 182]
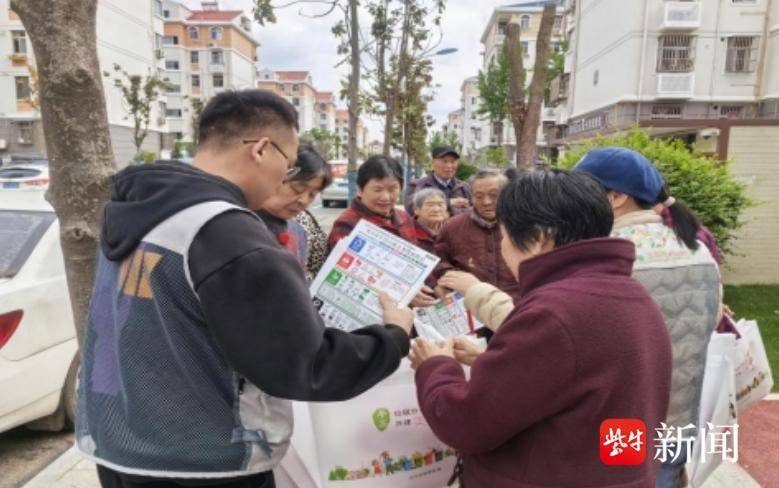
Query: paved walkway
[757, 456]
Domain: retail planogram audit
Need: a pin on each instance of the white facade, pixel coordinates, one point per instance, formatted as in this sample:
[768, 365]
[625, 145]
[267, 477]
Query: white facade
[198, 69]
[455, 123]
[693, 59]
[476, 130]
[127, 31]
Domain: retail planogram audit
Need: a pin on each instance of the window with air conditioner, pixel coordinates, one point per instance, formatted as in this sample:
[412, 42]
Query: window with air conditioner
[676, 53]
[23, 91]
[217, 57]
[19, 42]
[216, 33]
[742, 54]
[194, 32]
[194, 57]
[218, 81]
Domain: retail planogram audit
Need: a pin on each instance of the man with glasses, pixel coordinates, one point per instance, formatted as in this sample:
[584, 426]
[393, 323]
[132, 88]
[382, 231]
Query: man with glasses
[201, 326]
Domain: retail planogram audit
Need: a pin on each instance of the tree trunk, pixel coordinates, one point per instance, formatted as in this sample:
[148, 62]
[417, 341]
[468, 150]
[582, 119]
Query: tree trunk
[516, 83]
[354, 96]
[526, 144]
[76, 127]
[392, 96]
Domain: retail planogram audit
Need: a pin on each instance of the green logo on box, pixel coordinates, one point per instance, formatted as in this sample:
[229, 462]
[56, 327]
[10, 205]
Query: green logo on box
[334, 277]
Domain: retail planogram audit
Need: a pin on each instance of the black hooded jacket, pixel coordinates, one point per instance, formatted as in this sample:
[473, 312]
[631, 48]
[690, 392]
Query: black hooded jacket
[253, 292]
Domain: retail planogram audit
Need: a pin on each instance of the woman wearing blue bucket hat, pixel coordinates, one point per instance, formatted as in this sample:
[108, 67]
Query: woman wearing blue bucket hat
[683, 279]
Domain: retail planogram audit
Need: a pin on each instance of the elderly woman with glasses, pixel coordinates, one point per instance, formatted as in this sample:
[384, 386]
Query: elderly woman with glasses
[430, 213]
[281, 212]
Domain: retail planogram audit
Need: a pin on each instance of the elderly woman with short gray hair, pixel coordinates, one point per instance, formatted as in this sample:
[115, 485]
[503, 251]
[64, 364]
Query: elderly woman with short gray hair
[430, 213]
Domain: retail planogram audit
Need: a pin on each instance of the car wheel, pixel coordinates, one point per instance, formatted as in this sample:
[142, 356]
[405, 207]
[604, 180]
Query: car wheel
[70, 392]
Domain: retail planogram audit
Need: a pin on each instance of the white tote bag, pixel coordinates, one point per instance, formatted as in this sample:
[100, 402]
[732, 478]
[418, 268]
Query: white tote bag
[718, 406]
[752, 371]
[377, 440]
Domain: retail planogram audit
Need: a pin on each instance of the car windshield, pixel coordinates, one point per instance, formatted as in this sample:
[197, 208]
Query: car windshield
[20, 231]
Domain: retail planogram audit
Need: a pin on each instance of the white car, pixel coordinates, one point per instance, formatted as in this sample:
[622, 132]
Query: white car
[338, 191]
[24, 177]
[38, 346]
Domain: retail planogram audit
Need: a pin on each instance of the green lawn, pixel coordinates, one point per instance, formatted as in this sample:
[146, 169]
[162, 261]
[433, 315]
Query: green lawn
[760, 303]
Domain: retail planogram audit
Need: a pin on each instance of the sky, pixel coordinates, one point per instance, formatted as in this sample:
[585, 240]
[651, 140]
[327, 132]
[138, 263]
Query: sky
[298, 42]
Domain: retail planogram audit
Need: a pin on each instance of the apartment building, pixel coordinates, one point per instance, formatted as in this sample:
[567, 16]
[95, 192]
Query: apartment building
[298, 88]
[342, 129]
[454, 123]
[128, 34]
[667, 61]
[476, 130]
[205, 51]
[325, 111]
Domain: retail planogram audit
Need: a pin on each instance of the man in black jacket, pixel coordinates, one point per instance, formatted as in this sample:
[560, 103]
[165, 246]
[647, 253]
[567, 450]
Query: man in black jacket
[201, 326]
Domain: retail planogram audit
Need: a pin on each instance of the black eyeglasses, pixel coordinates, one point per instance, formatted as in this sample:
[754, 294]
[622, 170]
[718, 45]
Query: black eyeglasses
[292, 171]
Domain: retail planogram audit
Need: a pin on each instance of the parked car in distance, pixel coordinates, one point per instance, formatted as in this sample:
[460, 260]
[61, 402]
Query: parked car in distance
[338, 191]
[24, 177]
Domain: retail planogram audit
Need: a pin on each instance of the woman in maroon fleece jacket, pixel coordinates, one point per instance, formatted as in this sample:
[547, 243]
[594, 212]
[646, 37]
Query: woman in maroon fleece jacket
[585, 343]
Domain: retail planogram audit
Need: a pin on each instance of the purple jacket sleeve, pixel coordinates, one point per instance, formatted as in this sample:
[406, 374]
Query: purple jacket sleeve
[532, 352]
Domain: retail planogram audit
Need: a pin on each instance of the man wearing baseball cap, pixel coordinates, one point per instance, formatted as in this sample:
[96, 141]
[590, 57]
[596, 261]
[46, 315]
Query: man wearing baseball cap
[445, 162]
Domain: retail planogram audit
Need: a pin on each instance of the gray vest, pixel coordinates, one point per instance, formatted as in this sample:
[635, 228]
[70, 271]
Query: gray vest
[686, 287]
[156, 396]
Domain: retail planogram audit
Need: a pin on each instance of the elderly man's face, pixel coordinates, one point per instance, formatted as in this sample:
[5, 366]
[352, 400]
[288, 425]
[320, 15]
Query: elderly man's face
[445, 167]
[485, 197]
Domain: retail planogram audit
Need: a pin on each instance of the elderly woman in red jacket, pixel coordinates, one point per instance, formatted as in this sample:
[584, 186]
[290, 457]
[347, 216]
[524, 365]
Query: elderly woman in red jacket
[585, 343]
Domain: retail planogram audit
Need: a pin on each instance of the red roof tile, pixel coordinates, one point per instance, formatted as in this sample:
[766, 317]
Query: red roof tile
[326, 97]
[292, 75]
[215, 15]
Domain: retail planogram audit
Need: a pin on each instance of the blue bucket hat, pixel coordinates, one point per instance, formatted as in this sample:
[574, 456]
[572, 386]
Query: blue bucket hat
[623, 170]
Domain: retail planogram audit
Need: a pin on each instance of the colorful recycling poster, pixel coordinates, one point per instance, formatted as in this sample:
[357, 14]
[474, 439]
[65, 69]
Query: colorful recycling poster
[447, 318]
[377, 440]
[370, 260]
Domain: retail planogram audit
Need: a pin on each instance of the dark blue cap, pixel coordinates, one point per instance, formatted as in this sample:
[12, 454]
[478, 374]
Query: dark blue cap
[623, 170]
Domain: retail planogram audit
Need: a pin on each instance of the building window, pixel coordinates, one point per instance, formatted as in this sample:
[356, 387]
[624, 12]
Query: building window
[219, 81]
[558, 22]
[166, 14]
[676, 54]
[742, 54]
[170, 64]
[525, 48]
[524, 22]
[26, 133]
[502, 26]
[157, 5]
[666, 111]
[173, 112]
[296, 87]
[595, 77]
[194, 57]
[731, 111]
[217, 57]
[296, 101]
[195, 81]
[170, 41]
[216, 33]
[474, 100]
[556, 47]
[194, 32]
[19, 42]
[22, 88]
[171, 88]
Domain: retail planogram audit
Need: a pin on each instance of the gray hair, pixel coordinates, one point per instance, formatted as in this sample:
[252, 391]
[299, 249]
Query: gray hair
[422, 195]
[483, 174]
